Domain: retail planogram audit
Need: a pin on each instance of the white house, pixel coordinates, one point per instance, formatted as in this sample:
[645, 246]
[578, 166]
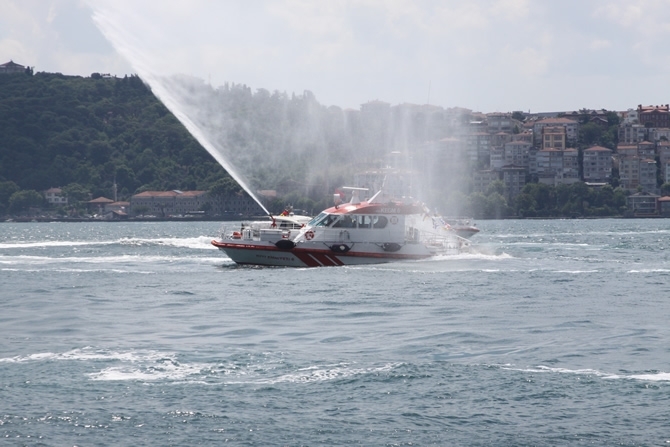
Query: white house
[54, 196]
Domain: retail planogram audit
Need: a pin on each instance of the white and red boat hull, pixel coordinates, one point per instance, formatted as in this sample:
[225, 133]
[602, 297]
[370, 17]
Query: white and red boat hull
[370, 232]
[301, 256]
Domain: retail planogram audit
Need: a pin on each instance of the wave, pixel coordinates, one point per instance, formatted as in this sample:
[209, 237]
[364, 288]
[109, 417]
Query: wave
[164, 369]
[153, 366]
[468, 256]
[73, 270]
[548, 244]
[573, 234]
[42, 260]
[199, 242]
[169, 369]
[656, 376]
[322, 373]
[87, 353]
[138, 365]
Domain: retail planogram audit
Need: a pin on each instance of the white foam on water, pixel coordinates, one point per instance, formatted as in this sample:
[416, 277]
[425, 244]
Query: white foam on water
[200, 242]
[164, 370]
[649, 271]
[73, 270]
[45, 260]
[320, 374]
[88, 353]
[47, 244]
[470, 256]
[135, 365]
[653, 377]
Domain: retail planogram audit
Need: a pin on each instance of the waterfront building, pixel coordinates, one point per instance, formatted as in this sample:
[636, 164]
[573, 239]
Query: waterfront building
[55, 196]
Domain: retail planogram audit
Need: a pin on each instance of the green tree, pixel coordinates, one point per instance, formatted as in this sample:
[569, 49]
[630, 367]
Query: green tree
[76, 193]
[225, 187]
[496, 187]
[496, 207]
[23, 200]
[6, 191]
[589, 134]
[526, 205]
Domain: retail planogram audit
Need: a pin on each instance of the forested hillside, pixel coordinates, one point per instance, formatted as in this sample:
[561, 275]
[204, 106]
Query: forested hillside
[82, 133]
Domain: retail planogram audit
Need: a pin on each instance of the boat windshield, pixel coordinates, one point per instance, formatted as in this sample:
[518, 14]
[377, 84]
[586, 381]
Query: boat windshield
[322, 220]
[349, 221]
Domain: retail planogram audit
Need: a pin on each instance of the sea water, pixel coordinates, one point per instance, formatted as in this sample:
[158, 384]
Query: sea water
[550, 333]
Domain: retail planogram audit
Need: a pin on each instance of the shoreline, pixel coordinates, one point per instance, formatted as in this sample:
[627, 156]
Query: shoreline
[245, 218]
[156, 219]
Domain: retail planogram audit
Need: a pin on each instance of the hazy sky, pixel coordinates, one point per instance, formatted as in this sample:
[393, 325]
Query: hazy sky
[489, 56]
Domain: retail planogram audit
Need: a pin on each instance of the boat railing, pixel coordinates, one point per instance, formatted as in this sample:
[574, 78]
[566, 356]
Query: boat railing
[442, 240]
[412, 235]
[252, 232]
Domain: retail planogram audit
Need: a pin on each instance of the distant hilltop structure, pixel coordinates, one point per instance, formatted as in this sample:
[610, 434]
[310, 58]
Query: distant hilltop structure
[12, 67]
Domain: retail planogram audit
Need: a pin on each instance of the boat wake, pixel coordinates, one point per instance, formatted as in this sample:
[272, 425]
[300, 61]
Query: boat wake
[200, 242]
[471, 256]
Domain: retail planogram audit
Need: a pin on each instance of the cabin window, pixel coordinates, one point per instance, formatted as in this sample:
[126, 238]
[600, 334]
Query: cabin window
[323, 220]
[345, 221]
[317, 221]
[328, 221]
[379, 221]
[364, 221]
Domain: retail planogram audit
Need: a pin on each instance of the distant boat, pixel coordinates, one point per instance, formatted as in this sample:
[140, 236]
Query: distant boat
[376, 231]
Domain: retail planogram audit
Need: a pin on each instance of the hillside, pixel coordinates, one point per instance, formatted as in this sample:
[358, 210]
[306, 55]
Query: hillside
[82, 134]
[58, 131]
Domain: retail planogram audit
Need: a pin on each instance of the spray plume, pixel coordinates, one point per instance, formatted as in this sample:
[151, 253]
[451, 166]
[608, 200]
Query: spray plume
[171, 91]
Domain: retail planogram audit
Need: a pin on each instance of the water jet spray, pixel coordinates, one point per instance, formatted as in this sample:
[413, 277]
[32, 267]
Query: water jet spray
[163, 87]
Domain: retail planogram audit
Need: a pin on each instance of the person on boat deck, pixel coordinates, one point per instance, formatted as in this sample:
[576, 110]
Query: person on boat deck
[345, 222]
[329, 220]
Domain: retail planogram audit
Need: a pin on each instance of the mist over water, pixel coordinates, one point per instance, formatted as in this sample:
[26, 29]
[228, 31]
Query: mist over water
[290, 142]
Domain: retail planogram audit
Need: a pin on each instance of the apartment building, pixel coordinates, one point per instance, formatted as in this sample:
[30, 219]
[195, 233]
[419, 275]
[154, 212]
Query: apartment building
[571, 129]
[597, 164]
[554, 137]
[555, 166]
[514, 178]
[516, 153]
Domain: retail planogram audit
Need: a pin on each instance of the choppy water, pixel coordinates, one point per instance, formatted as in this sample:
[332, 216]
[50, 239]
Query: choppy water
[554, 333]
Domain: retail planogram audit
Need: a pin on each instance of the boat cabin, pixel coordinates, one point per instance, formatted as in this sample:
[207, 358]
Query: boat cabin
[365, 222]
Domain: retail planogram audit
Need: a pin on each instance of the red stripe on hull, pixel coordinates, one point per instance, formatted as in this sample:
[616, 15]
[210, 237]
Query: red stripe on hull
[317, 257]
[308, 260]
